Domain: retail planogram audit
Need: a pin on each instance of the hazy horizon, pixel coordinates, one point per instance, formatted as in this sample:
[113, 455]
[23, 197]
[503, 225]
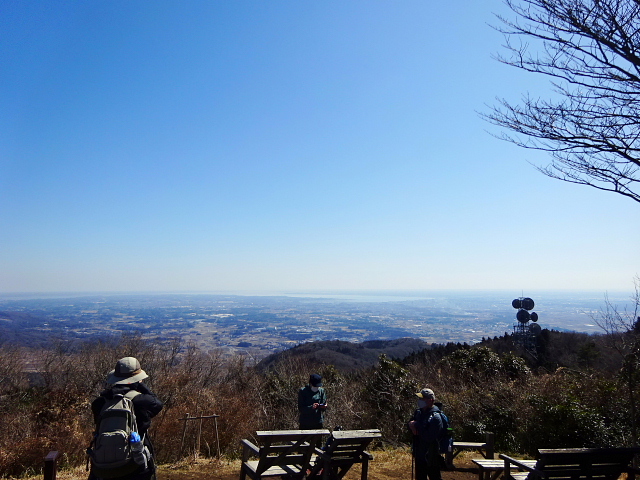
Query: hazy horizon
[408, 294]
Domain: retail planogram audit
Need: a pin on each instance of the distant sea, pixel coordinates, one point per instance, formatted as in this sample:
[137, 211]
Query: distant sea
[408, 296]
[370, 296]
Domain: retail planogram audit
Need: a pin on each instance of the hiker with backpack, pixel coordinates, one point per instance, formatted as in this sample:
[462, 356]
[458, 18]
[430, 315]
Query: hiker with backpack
[121, 447]
[429, 428]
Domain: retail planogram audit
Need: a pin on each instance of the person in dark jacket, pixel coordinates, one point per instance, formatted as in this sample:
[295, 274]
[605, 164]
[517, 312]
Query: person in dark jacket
[426, 425]
[312, 403]
[126, 377]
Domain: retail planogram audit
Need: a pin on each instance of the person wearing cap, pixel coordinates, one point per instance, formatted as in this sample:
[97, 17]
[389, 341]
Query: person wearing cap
[426, 425]
[312, 403]
[128, 375]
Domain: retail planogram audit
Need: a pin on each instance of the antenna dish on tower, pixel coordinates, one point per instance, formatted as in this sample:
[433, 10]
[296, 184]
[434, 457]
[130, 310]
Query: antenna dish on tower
[523, 316]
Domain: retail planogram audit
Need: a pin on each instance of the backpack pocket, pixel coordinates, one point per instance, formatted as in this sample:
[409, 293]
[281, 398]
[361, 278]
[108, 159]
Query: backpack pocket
[111, 449]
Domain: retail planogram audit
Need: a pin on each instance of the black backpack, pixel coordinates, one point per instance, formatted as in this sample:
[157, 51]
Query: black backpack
[445, 439]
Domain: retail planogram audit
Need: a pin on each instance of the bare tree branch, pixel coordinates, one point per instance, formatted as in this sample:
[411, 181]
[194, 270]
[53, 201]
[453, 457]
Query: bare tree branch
[590, 50]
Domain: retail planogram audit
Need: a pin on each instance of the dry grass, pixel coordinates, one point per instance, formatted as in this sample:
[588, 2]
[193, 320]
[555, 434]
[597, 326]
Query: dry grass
[387, 465]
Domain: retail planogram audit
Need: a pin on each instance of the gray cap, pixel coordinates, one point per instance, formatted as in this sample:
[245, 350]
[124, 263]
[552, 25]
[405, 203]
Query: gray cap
[426, 393]
[127, 370]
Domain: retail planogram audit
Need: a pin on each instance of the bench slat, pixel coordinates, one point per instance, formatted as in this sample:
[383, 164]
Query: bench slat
[275, 470]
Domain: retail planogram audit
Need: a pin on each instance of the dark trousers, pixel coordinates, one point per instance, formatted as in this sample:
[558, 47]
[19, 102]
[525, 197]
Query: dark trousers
[424, 471]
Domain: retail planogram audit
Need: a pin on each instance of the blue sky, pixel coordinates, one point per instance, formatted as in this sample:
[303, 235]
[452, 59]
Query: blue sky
[280, 146]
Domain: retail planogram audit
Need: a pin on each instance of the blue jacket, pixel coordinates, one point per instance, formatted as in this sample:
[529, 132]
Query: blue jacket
[429, 426]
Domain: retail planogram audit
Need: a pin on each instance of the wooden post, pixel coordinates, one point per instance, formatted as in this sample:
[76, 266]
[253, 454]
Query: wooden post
[215, 421]
[50, 465]
[490, 445]
[365, 469]
[184, 431]
[197, 452]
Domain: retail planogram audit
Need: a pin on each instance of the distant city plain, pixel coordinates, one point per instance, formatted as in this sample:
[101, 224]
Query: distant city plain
[258, 324]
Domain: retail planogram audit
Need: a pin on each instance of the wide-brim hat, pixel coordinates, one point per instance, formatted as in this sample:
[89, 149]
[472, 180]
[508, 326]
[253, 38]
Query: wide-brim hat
[127, 370]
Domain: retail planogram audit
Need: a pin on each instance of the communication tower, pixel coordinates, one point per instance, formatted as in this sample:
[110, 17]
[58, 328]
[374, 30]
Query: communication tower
[525, 333]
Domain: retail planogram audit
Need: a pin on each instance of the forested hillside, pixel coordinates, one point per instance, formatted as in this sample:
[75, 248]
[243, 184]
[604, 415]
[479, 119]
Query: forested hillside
[577, 390]
[346, 356]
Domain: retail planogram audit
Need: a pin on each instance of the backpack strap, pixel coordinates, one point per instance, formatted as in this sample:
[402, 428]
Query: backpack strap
[131, 394]
[434, 413]
[442, 419]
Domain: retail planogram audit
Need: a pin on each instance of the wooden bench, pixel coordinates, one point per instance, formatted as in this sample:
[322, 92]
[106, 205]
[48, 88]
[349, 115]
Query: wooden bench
[280, 452]
[484, 448]
[490, 469]
[343, 449]
[574, 464]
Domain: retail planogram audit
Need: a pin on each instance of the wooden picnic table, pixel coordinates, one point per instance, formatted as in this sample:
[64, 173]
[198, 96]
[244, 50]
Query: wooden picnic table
[280, 453]
[491, 469]
[484, 448]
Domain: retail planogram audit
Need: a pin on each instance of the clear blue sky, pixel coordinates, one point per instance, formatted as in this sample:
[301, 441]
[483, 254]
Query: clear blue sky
[280, 145]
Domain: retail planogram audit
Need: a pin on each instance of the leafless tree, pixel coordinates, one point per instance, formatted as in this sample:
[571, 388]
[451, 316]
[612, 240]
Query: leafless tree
[618, 322]
[12, 369]
[590, 51]
[622, 327]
